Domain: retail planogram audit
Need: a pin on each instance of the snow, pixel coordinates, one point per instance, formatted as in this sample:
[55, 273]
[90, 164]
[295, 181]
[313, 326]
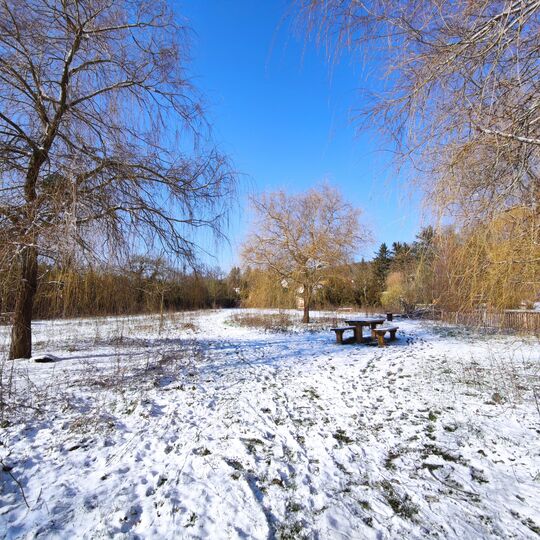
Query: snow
[194, 427]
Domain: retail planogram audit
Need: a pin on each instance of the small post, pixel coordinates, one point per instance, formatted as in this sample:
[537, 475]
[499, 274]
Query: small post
[389, 317]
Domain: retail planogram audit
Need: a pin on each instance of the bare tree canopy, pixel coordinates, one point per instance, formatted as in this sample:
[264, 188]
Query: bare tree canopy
[299, 237]
[102, 138]
[462, 91]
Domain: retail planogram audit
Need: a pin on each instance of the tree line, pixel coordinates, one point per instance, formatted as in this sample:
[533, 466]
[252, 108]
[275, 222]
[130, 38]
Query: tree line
[438, 269]
[141, 285]
[488, 267]
[397, 278]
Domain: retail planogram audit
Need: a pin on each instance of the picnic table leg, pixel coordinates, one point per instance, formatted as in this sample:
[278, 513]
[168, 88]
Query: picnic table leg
[339, 336]
[392, 335]
[380, 340]
[358, 333]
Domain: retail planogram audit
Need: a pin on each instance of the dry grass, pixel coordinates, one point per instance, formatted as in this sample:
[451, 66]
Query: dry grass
[284, 322]
[130, 363]
[506, 375]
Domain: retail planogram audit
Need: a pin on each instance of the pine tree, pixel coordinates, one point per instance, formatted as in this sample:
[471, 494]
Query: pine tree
[381, 264]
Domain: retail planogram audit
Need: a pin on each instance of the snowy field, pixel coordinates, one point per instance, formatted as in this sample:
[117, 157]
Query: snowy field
[197, 427]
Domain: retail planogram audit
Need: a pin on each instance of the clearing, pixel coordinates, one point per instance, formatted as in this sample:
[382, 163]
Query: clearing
[209, 425]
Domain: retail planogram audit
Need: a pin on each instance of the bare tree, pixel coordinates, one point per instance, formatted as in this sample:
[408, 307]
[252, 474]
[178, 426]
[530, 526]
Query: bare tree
[461, 103]
[461, 94]
[102, 138]
[300, 237]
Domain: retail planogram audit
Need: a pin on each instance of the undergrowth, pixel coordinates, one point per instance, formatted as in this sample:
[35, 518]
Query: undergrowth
[283, 322]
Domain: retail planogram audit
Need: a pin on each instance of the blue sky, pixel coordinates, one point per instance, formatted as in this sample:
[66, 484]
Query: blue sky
[285, 116]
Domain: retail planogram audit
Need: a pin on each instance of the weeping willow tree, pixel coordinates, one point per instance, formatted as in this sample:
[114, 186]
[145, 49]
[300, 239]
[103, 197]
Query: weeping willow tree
[103, 142]
[493, 265]
[460, 105]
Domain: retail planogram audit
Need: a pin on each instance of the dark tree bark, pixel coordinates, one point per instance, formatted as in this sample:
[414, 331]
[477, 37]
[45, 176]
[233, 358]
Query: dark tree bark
[307, 301]
[21, 333]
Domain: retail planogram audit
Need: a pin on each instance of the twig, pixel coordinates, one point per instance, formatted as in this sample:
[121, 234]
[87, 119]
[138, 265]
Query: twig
[536, 400]
[7, 469]
[470, 493]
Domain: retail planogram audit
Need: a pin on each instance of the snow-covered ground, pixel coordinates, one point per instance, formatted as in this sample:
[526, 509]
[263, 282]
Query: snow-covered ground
[205, 429]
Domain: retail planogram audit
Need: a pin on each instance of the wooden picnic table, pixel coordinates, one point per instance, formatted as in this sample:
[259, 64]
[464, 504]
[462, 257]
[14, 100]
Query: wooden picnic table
[359, 324]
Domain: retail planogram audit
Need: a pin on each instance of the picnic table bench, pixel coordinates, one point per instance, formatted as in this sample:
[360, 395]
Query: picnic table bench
[359, 324]
[380, 332]
[340, 331]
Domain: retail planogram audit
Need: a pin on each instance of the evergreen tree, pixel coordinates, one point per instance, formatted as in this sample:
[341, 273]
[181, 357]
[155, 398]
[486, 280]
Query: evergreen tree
[381, 265]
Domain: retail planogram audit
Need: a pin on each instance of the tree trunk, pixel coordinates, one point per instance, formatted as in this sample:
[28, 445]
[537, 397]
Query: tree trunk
[307, 299]
[21, 333]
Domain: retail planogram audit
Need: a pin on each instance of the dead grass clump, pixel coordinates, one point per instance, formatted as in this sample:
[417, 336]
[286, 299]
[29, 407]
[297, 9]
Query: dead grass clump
[189, 326]
[279, 322]
[284, 322]
[501, 373]
[324, 322]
